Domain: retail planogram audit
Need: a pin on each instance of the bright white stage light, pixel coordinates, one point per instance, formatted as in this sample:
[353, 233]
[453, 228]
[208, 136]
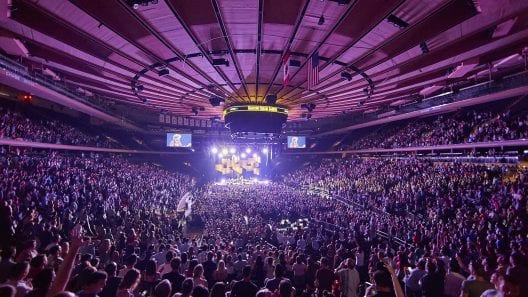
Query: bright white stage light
[221, 155]
[232, 150]
[224, 151]
[243, 155]
[248, 151]
[265, 150]
[214, 150]
[255, 155]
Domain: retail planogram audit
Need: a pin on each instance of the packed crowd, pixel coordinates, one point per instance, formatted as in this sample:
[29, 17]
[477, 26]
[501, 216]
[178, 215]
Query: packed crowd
[103, 226]
[461, 127]
[47, 200]
[461, 228]
[17, 126]
[457, 217]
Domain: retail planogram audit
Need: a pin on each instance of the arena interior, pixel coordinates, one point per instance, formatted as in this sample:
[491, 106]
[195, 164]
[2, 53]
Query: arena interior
[263, 148]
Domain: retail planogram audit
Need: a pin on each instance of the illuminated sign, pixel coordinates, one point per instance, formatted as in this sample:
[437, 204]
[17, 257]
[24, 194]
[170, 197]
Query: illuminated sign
[255, 108]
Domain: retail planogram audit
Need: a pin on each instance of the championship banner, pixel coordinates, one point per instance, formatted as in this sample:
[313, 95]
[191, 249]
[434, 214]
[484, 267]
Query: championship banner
[286, 68]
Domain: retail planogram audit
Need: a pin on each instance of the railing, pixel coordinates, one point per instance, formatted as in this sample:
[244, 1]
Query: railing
[460, 146]
[58, 86]
[43, 145]
[350, 203]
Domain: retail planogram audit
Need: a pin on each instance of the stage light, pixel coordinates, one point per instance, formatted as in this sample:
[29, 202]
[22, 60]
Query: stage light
[163, 72]
[243, 155]
[220, 62]
[224, 151]
[397, 22]
[232, 150]
[424, 47]
[321, 21]
[248, 151]
[216, 101]
[214, 150]
[255, 155]
[346, 75]
[265, 150]
[220, 155]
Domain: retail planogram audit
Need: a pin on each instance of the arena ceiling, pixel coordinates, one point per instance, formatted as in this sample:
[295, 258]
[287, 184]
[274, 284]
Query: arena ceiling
[110, 48]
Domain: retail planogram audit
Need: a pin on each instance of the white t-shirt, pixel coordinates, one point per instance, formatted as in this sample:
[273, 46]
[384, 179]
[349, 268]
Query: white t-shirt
[349, 279]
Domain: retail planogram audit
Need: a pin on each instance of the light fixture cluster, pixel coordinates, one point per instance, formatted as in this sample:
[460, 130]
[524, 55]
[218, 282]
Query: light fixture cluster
[233, 152]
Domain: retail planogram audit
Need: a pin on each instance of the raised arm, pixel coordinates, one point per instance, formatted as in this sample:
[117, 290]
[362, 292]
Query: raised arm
[395, 281]
[64, 273]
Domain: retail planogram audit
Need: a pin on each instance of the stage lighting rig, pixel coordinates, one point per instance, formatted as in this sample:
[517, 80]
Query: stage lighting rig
[308, 106]
[163, 72]
[220, 62]
[346, 75]
[321, 20]
[136, 3]
[216, 101]
[397, 22]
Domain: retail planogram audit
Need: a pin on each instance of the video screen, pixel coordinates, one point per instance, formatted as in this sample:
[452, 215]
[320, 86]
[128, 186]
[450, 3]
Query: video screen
[179, 140]
[295, 142]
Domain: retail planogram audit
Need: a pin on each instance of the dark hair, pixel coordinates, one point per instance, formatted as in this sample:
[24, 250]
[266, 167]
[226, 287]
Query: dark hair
[131, 277]
[431, 267]
[200, 291]
[279, 270]
[453, 265]
[86, 257]
[150, 267]
[82, 278]
[187, 286]
[246, 272]
[43, 279]
[54, 249]
[131, 260]
[324, 261]
[169, 256]
[218, 290]
[382, 279]
[17, 270]
[517, 258]
[163, 289]
[111, 268]
[38, 261]
[175, 263]
[478, 268]
[421, 264]
[285, 288]
[8, 252]
[95, 277]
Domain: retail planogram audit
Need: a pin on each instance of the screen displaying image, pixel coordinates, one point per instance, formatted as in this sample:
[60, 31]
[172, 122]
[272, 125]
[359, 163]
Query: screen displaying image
[296, 142]
[179, 140]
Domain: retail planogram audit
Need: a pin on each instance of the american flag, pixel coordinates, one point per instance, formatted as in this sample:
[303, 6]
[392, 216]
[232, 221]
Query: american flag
[313, 71]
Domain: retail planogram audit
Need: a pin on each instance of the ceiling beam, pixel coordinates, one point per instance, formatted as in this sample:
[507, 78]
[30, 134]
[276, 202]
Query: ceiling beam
[200, 47]
[229, 45]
